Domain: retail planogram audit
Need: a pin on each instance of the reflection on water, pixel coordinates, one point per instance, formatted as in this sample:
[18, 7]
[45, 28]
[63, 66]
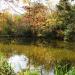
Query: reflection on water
[18, 62]
[45, 72]
[39, 53]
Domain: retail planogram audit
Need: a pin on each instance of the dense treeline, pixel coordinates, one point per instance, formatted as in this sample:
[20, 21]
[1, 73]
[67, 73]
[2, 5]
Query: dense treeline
[41, 22]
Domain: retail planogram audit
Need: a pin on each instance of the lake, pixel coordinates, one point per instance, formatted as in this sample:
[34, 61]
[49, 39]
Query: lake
[33, 55]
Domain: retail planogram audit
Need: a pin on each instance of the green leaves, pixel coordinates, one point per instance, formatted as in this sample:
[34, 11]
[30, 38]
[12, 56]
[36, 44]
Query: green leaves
[5, 68]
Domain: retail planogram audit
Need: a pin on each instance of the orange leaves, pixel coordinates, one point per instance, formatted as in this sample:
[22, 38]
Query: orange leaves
[35, 15]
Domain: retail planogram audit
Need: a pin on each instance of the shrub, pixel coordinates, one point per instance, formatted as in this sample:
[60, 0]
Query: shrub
[62, 68]
[71, 72]
[23, 31]
[70, 33]
[5, 68]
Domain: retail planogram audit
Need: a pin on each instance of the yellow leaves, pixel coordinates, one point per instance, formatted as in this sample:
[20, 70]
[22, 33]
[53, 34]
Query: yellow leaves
[3, 19]
[51, 21]
[60, 22]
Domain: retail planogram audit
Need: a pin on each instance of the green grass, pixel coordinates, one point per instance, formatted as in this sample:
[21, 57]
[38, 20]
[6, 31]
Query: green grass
[29, 73]
[71, 72]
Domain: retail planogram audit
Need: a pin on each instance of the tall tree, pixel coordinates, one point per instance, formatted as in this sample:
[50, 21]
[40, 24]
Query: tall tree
[67, 16]
[35, 16]
[63, 8]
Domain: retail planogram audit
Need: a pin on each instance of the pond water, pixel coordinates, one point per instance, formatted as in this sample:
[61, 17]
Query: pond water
[20, 55]
[19, 62]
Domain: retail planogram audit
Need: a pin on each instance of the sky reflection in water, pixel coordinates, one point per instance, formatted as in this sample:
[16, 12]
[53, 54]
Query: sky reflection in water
[18, 62]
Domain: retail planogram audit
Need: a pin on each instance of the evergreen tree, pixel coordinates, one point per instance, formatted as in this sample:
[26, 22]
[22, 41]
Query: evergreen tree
[66, 13]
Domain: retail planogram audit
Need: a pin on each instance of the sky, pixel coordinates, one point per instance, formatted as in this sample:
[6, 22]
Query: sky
[16, 6]
[13, 7]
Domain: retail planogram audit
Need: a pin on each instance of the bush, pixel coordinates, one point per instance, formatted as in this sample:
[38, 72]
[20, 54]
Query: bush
[62, 68]
[70, 33]
[5, 68]
[23, 31]
[71, 72]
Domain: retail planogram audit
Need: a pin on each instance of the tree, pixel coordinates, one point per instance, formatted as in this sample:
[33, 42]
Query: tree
[6, 24]
[35, 17]
[64, 9]
[3, 21]
[66, 13]
[70, 30]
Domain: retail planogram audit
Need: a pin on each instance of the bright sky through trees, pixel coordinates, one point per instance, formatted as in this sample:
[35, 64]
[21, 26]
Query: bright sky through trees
[15, 6]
